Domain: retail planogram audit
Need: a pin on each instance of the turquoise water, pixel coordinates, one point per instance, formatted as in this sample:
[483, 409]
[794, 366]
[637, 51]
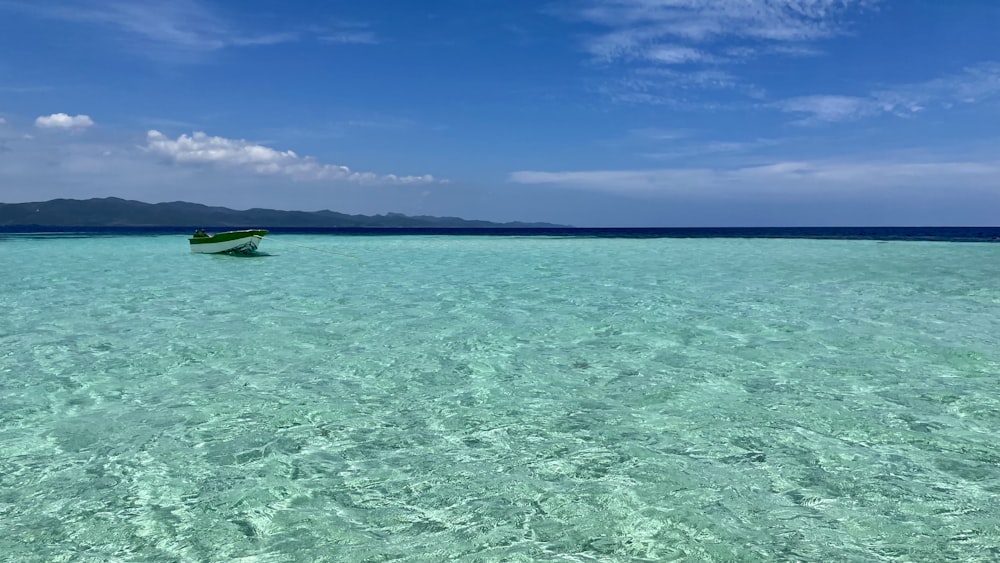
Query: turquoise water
[499, 399]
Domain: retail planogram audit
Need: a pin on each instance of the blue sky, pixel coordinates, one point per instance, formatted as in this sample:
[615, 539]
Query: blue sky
[583, 112]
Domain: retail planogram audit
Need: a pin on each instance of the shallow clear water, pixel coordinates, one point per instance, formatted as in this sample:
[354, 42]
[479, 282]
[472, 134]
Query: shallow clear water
[499, 399]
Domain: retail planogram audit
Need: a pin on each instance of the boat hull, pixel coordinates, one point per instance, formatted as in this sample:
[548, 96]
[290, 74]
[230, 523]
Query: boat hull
[233, 242]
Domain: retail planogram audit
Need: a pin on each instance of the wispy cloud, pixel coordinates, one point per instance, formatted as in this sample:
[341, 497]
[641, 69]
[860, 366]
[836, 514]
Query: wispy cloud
[781, 178]
[388, 123]
[677, 54]
[665, 144]
[710, 149]
[64, 121]
[974, 84]
[657, 134]
[151, 122]
[831, 108]
[643, 21]
[346, 32]
[25, 89]
[678, 88]
[200, 149]
[637, 28]
[351, 38]
[177, 31]
[698, 36]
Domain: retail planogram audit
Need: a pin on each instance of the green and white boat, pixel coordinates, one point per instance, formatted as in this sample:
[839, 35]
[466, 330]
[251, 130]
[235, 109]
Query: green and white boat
[229, 242]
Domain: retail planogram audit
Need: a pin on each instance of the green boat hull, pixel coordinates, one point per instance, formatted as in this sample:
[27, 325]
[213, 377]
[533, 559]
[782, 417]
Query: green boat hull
[230, 242]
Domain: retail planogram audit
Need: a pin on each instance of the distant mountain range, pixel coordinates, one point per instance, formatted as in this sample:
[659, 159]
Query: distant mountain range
[116, 212]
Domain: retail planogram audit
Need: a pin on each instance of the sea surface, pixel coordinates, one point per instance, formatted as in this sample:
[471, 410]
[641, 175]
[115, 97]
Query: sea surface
[485, 398]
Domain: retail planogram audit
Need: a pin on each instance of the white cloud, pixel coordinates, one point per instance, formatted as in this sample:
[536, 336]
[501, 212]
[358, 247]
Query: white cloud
[64, 121]
[201, 149]
[974, 84]
[3, 121]
[783, 177]
[106, 164]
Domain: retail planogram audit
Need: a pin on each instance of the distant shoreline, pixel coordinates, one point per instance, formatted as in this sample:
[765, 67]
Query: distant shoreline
[116, 212]
[940, 234]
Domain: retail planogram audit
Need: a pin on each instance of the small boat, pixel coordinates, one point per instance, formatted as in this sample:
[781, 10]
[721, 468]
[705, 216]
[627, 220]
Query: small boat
[229, 242]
